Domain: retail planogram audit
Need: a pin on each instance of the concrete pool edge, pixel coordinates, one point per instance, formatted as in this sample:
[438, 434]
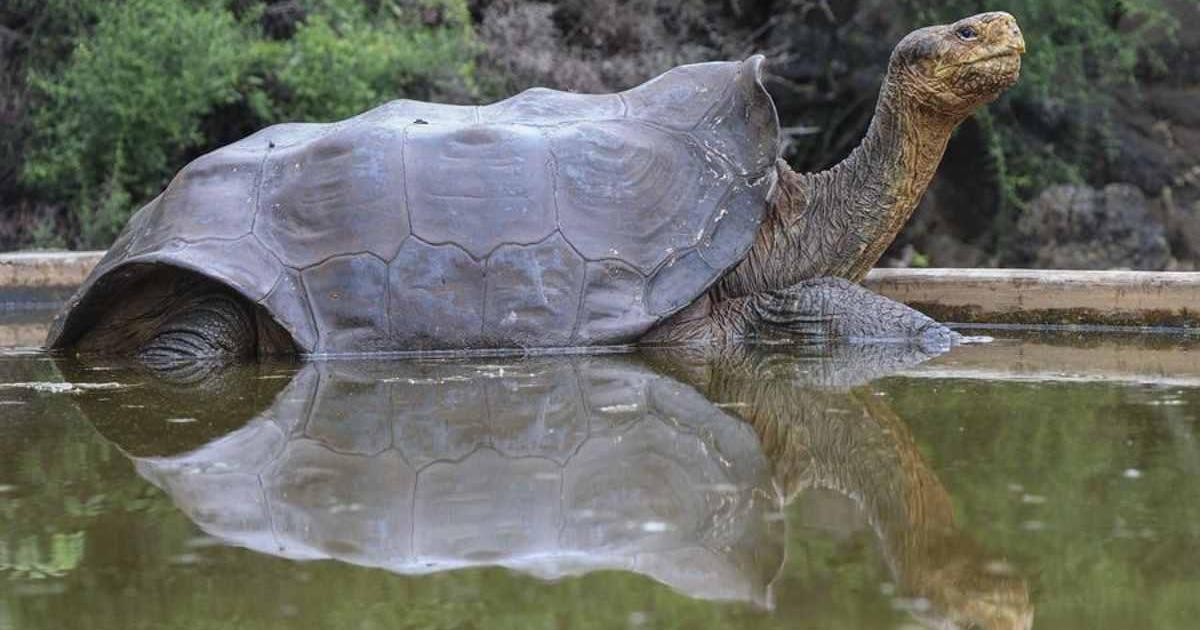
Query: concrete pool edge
[40, 281]
[44, 280]
[1160, 299]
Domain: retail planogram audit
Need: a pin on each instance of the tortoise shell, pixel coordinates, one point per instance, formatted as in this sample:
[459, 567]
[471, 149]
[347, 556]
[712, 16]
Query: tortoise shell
[555, 466]
[547, 219]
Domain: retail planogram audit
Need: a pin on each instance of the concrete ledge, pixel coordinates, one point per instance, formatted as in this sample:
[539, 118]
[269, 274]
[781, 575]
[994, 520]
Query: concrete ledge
[23, 329]
[1029, 296]
[44, 280]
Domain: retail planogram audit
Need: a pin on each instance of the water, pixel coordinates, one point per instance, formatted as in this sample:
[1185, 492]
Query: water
[1044, 479]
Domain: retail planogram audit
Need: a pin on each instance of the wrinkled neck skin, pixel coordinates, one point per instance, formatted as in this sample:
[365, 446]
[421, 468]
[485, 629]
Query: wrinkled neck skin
[839, 222]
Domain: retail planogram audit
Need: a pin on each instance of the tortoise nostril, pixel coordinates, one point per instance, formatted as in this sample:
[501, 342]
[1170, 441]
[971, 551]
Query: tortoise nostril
[1018, 39]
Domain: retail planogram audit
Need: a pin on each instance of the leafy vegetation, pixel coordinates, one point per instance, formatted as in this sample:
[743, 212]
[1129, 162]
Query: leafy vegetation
[150, 83]
[103, 100]
[128, 103]
[346, 58]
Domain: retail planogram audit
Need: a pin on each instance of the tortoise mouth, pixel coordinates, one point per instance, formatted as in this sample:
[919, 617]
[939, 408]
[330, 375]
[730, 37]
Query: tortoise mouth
[1003, 54]
[1005, 65]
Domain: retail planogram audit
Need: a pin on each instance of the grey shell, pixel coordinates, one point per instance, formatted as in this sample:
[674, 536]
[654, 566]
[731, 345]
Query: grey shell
[555, 467]
[547, 219]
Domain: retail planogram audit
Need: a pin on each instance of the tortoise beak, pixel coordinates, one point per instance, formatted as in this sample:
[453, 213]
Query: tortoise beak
[1004, 28]
[1019, 40]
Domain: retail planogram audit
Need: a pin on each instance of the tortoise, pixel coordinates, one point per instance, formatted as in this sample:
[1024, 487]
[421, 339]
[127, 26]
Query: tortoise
[550, 219]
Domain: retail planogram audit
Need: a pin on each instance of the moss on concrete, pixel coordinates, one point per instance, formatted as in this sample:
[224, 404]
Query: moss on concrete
[974, 314]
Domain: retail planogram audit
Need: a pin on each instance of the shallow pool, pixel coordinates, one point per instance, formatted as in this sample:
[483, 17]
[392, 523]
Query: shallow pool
[1044, 479]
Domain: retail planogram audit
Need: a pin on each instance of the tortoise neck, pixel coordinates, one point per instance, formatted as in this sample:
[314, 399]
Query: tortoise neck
[838, 222]
[861, 204]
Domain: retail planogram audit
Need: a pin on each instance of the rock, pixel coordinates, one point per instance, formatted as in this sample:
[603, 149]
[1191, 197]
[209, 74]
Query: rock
[1080, 227]
[1180, 214]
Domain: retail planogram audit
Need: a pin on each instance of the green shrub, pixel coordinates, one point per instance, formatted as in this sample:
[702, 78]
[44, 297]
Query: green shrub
[128, 103]
[132, 101]
[347, 57]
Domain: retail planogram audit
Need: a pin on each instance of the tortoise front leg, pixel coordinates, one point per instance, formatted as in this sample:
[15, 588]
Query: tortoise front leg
[833, 308]
[817, 309]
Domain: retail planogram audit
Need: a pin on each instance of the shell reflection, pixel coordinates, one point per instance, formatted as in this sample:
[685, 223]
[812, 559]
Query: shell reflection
[553, 467]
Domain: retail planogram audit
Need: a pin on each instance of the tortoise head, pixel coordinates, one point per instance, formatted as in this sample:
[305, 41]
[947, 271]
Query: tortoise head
[956, 68]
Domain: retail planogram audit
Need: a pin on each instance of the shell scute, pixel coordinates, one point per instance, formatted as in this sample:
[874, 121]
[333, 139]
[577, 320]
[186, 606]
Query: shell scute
[542, 106]
[615, 398]
[303, 489]
[656, 483]
[445, 415]
[348, 295]
[479, 186]
[288, 304]
[743, 127]
[678, 282]
[212, 197]
[337, 194]
[740, 213]
[342, 394]
[537, 416]
[242, 263]
[679, 98]
[533, 294]
[632, 192]
[614, 304]
[484, 485]
[230, 505]
[436, 297]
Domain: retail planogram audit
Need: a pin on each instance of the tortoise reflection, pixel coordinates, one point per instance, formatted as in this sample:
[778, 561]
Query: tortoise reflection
[673, 466]
[821, 428]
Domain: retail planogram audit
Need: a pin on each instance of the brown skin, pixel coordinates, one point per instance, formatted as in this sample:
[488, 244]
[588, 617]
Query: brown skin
[825, 230]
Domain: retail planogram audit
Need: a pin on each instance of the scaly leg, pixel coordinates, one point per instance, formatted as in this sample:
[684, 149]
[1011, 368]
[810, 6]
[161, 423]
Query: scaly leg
[837, 308]
[822, 308]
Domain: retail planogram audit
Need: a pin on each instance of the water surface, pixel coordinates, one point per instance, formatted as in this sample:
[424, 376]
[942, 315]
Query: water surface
[1049, 480]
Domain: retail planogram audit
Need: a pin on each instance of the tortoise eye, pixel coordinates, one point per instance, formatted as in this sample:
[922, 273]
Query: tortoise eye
[967, 33]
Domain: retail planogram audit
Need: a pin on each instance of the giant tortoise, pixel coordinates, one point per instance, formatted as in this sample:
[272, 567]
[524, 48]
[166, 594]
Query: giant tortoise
[550, 219]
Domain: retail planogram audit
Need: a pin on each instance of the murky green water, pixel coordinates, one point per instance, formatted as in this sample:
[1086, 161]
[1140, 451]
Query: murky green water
[1052, 480]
